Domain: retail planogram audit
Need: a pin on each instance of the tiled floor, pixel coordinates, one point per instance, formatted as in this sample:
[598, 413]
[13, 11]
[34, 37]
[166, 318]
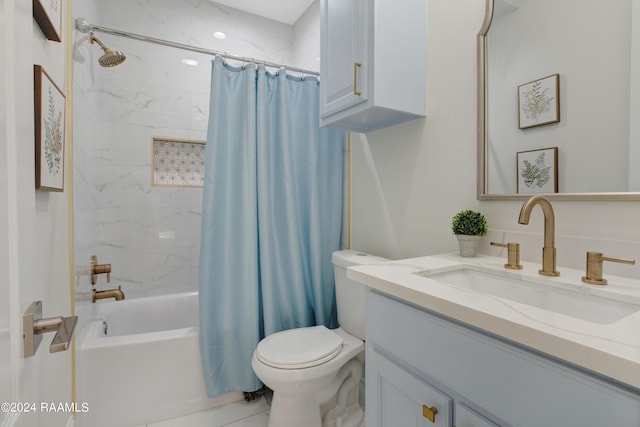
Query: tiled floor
[239, 414]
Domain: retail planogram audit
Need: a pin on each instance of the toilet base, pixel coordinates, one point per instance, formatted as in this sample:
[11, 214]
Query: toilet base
[288, 411]
[336, 406]
[295, 413]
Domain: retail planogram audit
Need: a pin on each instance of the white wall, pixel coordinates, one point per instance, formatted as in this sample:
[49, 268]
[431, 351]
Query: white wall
[34, 243]
[306, 39]
[634, 101]
[5, 337]
[409, 180]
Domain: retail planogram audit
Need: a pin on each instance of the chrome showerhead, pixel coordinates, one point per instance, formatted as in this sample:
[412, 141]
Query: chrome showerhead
[111, 58]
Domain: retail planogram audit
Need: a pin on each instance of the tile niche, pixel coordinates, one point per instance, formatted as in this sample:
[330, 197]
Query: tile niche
[178, 162]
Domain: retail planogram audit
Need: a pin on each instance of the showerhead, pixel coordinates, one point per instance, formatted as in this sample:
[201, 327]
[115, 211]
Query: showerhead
[111, 58]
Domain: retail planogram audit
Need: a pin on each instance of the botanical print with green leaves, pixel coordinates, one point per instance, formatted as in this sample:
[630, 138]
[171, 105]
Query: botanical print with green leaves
[536, 102]
[53, 137]
[536, 173]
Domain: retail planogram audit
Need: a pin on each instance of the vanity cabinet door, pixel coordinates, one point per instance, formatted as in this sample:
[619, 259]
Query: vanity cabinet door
[397, 398]
[467, 417]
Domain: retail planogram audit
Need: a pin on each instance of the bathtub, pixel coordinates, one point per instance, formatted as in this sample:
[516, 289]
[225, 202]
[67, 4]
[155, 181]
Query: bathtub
[147, 365]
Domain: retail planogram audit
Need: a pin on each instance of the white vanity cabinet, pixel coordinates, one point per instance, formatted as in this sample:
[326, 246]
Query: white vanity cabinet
[373, 63]
[416, 358]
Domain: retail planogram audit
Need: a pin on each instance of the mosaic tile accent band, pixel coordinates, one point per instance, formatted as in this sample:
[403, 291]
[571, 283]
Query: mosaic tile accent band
[178, 163]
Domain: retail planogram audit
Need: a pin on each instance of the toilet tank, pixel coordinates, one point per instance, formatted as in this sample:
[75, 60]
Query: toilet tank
[350, 295]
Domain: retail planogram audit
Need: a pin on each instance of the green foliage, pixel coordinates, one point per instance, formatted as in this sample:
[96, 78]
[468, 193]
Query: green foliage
[53, 137]
[536, 174]
[470, 223]
[536, 102]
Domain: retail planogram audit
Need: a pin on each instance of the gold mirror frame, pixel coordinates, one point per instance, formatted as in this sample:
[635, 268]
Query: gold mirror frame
[482, 159]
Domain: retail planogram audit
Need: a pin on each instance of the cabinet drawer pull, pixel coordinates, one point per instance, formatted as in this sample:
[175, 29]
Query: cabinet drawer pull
[356, 65]
[429, 413]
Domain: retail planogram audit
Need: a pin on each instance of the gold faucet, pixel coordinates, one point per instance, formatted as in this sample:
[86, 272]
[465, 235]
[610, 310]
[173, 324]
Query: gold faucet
[108, 293]
[549, 250]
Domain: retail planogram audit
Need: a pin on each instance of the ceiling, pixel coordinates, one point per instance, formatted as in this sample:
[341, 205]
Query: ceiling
[287, 11]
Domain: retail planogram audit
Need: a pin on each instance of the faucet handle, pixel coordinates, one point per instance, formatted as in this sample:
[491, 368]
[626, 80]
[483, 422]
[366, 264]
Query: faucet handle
[513, 254]
[594, 267]
[99, 269]
[34, 326]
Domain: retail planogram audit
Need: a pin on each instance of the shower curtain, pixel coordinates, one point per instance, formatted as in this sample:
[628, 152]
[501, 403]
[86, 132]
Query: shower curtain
[271, 217]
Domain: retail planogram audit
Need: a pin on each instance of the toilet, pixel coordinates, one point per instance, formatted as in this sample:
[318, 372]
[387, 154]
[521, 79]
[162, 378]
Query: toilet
[315, 373]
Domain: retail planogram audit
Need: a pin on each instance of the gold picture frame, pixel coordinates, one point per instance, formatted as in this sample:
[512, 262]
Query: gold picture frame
[50, 116]
[539, 102]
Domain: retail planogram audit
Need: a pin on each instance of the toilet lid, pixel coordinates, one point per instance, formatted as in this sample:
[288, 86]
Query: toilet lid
[299, 348]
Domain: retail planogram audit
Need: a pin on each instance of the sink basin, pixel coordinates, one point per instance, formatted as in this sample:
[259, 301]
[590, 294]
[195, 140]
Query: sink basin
[580, 305]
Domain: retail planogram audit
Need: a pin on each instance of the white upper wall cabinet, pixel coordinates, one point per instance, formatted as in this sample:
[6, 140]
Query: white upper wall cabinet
[373, 63]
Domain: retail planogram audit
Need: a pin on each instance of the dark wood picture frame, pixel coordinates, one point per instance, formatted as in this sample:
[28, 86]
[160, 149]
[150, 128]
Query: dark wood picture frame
[539, 102]
[49, 18]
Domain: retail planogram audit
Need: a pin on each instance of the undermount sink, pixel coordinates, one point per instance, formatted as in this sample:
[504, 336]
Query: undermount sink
[580, 305]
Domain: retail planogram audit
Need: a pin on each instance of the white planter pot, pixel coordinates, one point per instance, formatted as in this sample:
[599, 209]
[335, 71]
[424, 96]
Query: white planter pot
[468, 245]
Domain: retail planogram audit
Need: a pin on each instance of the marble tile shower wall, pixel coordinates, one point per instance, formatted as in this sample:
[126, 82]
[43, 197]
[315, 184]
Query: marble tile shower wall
[149, 235]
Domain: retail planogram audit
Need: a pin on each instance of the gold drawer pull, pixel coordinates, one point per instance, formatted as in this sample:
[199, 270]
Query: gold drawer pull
[429, 413]
[356, 65]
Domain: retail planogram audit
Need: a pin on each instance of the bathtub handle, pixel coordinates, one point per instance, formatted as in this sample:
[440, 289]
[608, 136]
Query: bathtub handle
[99, 269]
[34, 326]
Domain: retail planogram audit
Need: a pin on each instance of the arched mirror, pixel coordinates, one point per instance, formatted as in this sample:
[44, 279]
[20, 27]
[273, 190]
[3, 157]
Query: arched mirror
[559, 100]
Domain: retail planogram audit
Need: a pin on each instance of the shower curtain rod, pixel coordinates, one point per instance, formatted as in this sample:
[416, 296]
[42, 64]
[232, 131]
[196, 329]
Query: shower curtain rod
[84, 27]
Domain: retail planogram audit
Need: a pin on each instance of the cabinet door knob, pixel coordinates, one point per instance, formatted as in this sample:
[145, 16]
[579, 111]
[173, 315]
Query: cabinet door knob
[429, 413]
[356, 65]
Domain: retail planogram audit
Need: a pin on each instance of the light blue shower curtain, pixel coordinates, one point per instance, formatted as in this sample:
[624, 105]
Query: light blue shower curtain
[271, 217]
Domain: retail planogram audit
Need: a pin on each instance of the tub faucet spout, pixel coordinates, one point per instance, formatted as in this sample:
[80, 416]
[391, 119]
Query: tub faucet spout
[109, 293]
[549, 249]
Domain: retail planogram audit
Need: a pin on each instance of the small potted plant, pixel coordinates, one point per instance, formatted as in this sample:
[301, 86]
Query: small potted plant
[469, 226]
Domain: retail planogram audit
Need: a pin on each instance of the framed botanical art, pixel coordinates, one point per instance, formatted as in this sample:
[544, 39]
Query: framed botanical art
[539, 102]
[48, 15]
[537, 171]
[50, 112]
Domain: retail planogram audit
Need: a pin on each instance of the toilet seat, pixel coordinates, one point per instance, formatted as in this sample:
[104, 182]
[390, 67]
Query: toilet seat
[299, 348]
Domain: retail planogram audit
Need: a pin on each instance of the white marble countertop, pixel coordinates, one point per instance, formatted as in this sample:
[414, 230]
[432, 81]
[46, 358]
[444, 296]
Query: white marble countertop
[611, 349]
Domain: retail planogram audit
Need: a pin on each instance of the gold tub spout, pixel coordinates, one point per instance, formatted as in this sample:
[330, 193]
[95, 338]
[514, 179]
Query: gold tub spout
[109, 293]
[549, 249]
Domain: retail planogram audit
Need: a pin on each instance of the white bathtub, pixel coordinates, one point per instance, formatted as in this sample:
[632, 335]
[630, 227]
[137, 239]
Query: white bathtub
[147, 367]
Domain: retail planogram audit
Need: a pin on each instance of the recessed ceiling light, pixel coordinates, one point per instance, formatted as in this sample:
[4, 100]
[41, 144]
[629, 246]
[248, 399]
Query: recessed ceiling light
[191, 62]
[219, 35]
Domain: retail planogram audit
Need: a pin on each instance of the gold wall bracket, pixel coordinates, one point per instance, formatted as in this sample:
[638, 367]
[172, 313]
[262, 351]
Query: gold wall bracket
[594, 267]
[33, 326]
